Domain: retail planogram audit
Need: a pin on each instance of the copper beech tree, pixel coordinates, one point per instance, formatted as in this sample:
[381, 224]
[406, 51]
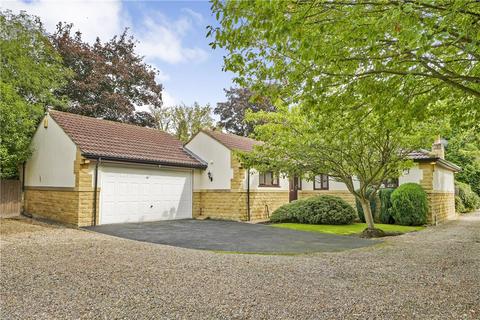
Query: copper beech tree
[110, 79]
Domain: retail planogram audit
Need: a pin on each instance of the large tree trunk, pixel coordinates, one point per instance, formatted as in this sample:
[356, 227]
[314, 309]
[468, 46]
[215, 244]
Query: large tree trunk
[367, 212]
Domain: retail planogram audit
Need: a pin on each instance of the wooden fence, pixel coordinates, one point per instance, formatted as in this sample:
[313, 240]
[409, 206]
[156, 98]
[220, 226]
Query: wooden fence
[10, 198]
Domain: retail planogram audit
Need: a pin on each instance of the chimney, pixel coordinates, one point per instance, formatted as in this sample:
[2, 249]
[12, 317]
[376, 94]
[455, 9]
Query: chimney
[438, 149]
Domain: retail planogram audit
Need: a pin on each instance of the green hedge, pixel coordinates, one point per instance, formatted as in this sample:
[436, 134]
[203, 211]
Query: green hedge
[385, 215]
[316, 210]
[466, 200]
[409, 205]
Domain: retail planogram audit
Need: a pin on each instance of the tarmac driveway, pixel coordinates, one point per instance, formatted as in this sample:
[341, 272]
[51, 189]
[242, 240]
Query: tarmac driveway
[231, 236]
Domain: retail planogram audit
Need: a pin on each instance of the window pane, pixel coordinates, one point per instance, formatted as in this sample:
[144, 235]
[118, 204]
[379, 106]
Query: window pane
[268, 178]
[274, 179]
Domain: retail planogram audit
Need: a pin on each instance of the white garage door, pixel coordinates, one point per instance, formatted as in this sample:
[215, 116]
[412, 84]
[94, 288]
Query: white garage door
[136, 195]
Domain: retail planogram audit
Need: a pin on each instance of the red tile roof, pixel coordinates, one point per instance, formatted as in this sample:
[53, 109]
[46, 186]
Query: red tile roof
[124, 142]
[232, 141]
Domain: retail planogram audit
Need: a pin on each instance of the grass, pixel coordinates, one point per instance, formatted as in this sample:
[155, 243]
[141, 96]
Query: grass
[344, 229]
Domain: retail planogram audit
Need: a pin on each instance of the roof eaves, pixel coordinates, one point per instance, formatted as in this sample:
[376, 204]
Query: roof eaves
[193, 155]
[200, 165]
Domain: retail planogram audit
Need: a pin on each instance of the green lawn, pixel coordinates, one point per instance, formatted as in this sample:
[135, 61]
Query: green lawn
[344, 229]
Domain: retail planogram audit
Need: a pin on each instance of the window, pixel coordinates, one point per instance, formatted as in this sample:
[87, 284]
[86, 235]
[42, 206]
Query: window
[391, 183]
[267, 179]
[320, 182]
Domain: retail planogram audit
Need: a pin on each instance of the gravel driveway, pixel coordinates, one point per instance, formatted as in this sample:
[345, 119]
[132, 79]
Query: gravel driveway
[50, 272]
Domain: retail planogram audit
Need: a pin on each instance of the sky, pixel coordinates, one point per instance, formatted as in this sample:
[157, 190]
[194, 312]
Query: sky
[171, 35]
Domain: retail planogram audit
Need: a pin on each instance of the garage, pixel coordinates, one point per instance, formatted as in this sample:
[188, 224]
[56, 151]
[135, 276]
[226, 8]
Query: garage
[139, 195]
[86, 171]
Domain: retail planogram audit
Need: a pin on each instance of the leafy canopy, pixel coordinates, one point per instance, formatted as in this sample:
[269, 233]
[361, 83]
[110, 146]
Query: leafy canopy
[463, 149]
[110, 79]
[431, 49]
[232, 112]
[31, 71]
[183, 121]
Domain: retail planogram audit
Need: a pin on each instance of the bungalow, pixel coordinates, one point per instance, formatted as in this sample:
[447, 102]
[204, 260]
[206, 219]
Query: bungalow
[86, 171]
[226, 190]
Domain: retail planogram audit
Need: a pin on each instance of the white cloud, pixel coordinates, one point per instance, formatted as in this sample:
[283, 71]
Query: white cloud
[168, 99]
[93, 18]
[194, 14]
[162, 39]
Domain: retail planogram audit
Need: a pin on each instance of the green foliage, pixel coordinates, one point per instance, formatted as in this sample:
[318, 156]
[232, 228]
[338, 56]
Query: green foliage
[316, 210]
[459, 206]
[463, 149]
[385, 205]
[334, 67]
[409, 205]
[386, 201]
[233, 111]
[183, 121]
[425, 51]
[31, 72]
[467, 200]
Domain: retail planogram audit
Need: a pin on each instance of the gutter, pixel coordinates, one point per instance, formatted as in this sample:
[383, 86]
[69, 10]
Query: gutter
[163, 163]
[248, 194]
[95, 188]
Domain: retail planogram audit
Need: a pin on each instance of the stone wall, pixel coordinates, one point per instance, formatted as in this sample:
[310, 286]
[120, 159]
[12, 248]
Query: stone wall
[232, 205]
[73, 206]
[441, 207]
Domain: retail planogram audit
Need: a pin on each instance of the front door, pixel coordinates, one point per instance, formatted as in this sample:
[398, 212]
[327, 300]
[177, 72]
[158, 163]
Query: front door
[293, 194]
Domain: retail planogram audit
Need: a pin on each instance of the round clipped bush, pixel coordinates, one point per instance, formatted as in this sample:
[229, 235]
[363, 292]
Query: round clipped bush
[316, 210]
[468, 200]
[409, 205]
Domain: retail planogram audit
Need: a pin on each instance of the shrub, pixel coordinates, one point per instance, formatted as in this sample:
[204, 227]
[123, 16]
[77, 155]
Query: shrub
[409, 205]
[385, 215]
[316, 210]
[468, 200]
[459, 207]
[385, 209]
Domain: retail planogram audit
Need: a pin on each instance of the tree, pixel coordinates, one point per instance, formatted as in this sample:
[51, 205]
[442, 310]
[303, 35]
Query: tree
[142, 119]
[463, 149]
[30, 71]
[353, 69]
[183, 121]
[232, 112]
[110, 79]
[349, 148]
[431, 48]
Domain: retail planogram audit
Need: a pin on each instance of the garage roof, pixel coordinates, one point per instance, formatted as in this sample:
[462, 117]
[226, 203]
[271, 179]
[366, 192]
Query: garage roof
[124, 142]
